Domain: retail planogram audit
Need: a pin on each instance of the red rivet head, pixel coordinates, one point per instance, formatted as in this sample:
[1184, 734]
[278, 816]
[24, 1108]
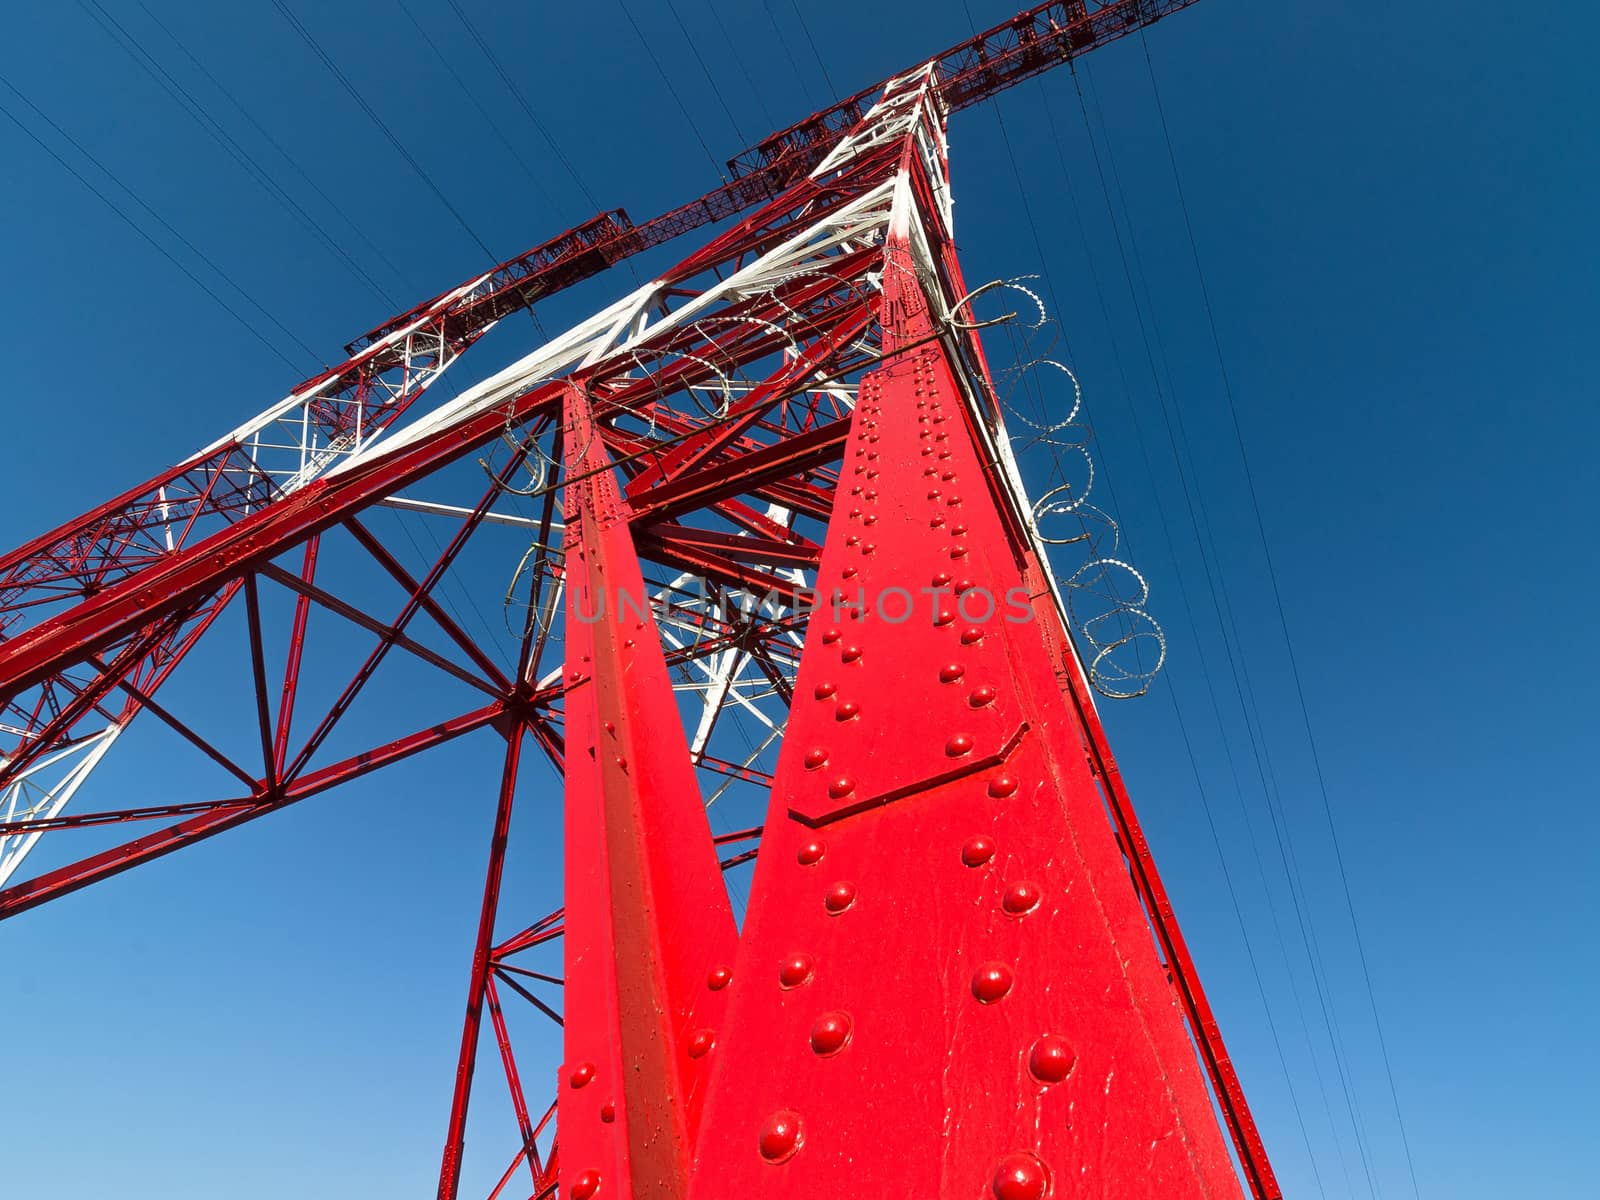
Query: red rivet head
[948, 476]
[958, 551]
[978, 850]
[941, 579]
[815, 758]
[824, 689]
[868, 548]
[1002, 786]
[795, 971]
[780, 1136]
[935, 521]
[700, 1043]
[943, 617]
[981, 696]
[954, 502]
[585, 1185]
[852, 540]
[841, 786]
[855, 513]
[991, 982]
[935, 494]
[830, 1033]
[1051, 1059]
[608, 1112]
[719, 978]
[951, 672]
[850, 653]
[971, 635]
[830, 636]
[581, 1074]
[846, 710]
[610, 728]
[1021, 897]
[811, 854]
[958, 745]
[869, 519]
[849, 573]
[1020, 1177]
[839, 897]
[958, 530]
[964, 585]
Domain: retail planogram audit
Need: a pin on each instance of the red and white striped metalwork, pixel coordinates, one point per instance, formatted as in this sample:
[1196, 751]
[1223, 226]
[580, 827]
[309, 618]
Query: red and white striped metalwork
[764, 539]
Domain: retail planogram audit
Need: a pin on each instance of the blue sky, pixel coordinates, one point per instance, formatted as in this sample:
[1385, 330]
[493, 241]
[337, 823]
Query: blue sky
[1393, 210]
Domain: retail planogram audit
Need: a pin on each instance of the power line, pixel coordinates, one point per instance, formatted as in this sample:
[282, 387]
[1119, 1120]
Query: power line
[1283, 621]
[137, 228]
[333, 68]
[706, 71]
[1123, 249]
[272, 141]
[737, 59]
[184, 99]
[1205, 800]
[822, 66]
[667, 79]
[783, 42]
[488, 118]
[522, 101]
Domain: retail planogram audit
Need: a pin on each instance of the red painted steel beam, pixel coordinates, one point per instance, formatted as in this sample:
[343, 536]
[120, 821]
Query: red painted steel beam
[647, 923]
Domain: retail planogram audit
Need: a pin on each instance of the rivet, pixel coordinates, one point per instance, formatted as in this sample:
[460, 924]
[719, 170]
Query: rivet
[850, 572]
[585, 1185]
[978, 850]
[958, 745]
[824, 689]
[839, 897]
[581, 1074]
[970, 635]
[830, 1032]
[719, 978]
[811, 854]
[944, 454]
[1021, 898]
[1002, 786]
[841, 786]
[958, 530]
[780, 1137]
[958, 551]
[1020, 1177]
[622, 763]
[847, 710]
[795, 971]
[926, 450]
[943, 617]
[981, 696]
[991, 982]
[830, 636]
[869, 519]
[964, 585]
[871, 455]
[869, 548]
[856, 490]
[610, 728]
[948, 476]
[951, 672]
[701, 1042]
[954, 502]
[871, 495]
[1051, 1059]
[850, 653]
[941, 579]
[855, 512]
[816, 757]
[935, 521]
[935, 494]
[608, 1112]
[852, 540]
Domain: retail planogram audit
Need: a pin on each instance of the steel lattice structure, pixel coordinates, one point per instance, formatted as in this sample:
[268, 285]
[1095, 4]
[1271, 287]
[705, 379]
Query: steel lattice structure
[768, 492]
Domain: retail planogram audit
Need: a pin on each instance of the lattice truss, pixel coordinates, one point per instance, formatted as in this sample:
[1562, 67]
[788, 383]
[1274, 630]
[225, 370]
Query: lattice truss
[658, 494]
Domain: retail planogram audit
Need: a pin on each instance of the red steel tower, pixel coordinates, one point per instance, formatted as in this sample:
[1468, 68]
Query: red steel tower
[768, 537]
